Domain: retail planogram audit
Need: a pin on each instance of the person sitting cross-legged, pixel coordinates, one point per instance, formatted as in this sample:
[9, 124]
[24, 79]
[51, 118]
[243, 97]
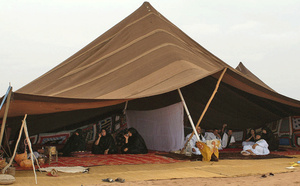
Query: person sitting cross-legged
[75, 143]
[194, 139]
[104, 144]
[227, 139]
[134, 143]
[259, 148]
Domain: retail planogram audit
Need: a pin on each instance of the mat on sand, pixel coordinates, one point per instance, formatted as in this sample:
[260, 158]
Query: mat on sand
[88, 160]
[223, 155]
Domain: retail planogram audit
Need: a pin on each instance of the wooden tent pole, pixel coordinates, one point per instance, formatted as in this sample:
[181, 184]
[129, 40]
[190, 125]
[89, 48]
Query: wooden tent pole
[6, 94]
[206, 107]
[17, 144]
[5, 115]
[125, 108]
[31, 151]
[188, 113]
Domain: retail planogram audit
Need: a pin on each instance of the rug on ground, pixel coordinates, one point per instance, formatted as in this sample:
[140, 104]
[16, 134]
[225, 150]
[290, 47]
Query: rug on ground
[88, 160]
[235, 153]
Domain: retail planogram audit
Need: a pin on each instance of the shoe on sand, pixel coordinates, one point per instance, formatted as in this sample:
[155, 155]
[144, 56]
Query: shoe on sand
[121, 180]
[108, 180]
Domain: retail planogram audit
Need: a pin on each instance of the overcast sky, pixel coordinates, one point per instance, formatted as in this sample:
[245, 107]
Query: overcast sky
[37, 35]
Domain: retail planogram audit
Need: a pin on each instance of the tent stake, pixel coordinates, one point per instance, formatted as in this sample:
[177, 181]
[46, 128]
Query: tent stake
[188, 113]
[206, 107]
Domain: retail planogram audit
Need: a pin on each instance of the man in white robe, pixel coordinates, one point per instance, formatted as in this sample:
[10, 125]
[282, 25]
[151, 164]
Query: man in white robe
[214, 136]
[227, 139]
[259, 148]
[192, 142]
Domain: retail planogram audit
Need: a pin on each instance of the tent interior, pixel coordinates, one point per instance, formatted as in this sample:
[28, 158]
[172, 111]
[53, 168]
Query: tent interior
[144, 60]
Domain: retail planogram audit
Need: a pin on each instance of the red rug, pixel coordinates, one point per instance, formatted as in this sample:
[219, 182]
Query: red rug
[287, 151]
[88, 160]
[281, 151]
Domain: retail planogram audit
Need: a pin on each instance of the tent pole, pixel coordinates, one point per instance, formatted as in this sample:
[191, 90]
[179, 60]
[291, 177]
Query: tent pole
[188, 113]
[8, 90]
[125, 108]
[31, 151]
[5, 115]
[206, 107]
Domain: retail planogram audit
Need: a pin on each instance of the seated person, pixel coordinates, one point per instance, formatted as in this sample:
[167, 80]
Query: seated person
[75, 143]
[134, 143]
[192, 142]
[209, 150]
[268, 135]
[223, 130]
[250, 138]
[104, 144]
[259, 148]
[213, 135]
[227, 139]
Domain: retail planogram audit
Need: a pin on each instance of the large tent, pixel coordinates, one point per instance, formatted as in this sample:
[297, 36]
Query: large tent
[144, 59]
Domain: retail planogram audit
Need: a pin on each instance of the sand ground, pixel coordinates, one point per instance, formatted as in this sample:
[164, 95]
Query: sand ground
[225, 172]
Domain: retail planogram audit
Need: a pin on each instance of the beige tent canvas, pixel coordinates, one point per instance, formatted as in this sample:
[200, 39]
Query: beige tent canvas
[241, 67]
[144, 59]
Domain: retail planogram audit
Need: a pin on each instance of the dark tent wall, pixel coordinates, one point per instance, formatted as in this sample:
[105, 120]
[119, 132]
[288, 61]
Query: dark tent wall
[239, 109]
[61, 120]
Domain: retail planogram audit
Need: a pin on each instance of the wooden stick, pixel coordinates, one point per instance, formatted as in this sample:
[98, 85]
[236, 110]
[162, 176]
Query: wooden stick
[31, 151]
[206, 107]
[125, 108]
[6, 94]
[5, 116]
[17, 144]
[188, 114]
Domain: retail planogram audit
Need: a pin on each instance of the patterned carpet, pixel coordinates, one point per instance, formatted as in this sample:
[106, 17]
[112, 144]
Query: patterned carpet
[235, 153]
[87, 160]
[281, 151]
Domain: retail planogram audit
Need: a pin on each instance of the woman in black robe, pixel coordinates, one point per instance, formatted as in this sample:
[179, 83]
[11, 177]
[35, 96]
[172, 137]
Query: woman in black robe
[134, 143]
[251, 135]
[75, 143]
[250, 138]
[104, 144]
[268, 135]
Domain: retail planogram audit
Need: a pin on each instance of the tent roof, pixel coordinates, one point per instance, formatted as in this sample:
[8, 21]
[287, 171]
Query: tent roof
[143, 55]
[241, 67]
[145, 58]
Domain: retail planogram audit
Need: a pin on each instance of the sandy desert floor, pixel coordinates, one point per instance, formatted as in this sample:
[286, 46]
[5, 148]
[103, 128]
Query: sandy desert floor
[288, 178]
[224, 172]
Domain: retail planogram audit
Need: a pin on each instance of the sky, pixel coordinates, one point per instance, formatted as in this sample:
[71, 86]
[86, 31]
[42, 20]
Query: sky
[263, 34]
